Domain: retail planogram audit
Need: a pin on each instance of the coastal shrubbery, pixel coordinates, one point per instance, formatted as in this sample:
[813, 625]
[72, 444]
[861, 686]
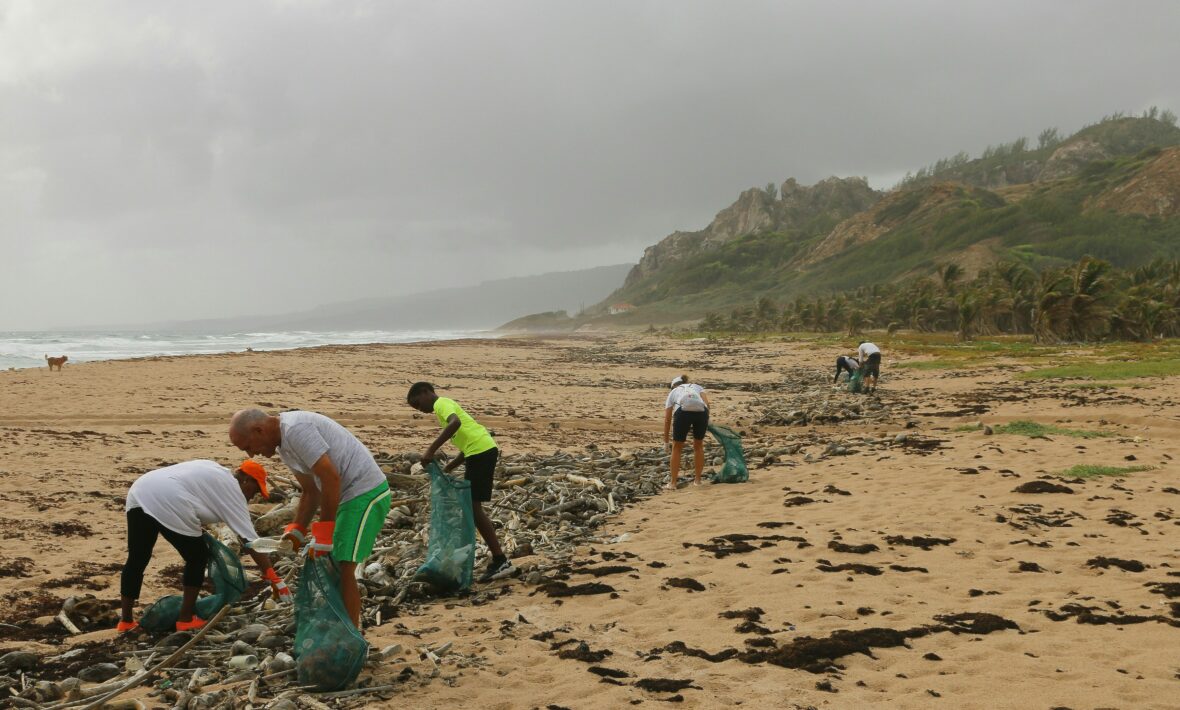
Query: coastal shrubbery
[1089, 300]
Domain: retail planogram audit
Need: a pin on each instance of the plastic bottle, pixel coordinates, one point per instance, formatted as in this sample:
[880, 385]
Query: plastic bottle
[272, 544]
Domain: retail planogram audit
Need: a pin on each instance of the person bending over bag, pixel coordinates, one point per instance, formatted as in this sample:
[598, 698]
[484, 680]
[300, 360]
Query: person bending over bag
[845, 364]
[686, 408]
[175, 501]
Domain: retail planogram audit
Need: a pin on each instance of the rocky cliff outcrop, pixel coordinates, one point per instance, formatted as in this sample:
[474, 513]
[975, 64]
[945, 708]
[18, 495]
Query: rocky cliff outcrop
[887, 214]
[1067, 160]
[1154, 191]
[755, 211]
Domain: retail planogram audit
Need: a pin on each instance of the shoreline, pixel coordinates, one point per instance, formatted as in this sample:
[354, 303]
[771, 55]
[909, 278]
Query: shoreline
[134, 337]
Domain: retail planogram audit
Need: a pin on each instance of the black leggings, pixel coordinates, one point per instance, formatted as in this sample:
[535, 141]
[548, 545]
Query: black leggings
[142, 531]
[841, 366]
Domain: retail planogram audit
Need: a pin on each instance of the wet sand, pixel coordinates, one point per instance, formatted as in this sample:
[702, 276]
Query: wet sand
[727, 583]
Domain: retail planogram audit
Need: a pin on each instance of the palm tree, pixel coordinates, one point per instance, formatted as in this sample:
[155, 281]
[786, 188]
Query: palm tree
[948, 275]
[968, 308]
[1049, 306]
[856, 321]
[1088, 310]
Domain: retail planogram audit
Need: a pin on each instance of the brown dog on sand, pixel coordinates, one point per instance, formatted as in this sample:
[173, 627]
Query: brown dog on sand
[56, 362]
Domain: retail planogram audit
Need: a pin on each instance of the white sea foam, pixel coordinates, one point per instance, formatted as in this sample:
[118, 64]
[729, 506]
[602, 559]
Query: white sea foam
[28, 349]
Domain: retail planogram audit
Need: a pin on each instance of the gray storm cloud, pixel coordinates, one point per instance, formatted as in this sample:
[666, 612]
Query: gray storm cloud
[158, 157]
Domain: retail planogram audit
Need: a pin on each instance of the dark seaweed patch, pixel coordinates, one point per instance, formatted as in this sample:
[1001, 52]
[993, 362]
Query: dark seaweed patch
[1108, 562]
[864, 549]
[685, 583]
[925, 543]
[583, 653]
[608, 672]
[1041, 487]
[903, 568]
[664, 685]
[856, 567]
[561, 589]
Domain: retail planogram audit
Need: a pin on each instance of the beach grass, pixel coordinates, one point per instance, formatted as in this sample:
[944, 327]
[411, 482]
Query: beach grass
[936, 364]
[1024, 427]
[1104, 384]
[969, 427]
[1111, 370]
[1091, 470]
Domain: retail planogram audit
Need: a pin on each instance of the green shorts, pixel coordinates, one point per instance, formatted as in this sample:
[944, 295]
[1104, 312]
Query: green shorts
[358, 522]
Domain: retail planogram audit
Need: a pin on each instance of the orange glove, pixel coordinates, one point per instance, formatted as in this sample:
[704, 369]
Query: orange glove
[297, 534]
[321, 534]
[278, 586]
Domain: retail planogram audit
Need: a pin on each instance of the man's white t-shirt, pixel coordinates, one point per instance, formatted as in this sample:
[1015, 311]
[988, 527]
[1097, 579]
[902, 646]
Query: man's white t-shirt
[306, 436]
[678, 393]
[184, 496]
[867, 349]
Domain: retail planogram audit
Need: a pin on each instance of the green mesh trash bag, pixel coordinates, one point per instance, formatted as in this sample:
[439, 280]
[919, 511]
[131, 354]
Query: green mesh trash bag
[450, 551]
[329, 650]
[734, 470]
[229, 584]
[856, 383]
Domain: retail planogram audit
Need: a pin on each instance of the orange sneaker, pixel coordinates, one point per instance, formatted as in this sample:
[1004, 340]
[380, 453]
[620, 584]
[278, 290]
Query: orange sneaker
[193, 625]
[125, 626]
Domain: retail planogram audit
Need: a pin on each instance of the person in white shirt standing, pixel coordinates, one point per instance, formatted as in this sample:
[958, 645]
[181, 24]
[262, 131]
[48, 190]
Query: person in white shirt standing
[870, 356]
[686, 408]
[175, 501]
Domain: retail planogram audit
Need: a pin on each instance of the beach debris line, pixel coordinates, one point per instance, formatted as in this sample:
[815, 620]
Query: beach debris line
[807, 396]
[545, 506]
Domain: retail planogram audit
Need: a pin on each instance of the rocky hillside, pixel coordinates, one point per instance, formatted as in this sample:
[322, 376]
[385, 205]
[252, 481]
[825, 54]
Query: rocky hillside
[1112, 190]
[795, 208]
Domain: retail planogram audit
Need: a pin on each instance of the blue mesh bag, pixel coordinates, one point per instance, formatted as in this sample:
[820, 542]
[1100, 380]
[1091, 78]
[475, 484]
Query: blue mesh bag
[734, 470]
[229, 584]
[450, 550]
[329, 651]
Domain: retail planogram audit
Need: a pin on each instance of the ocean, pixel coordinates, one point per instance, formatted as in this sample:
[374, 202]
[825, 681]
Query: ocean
[28, 349]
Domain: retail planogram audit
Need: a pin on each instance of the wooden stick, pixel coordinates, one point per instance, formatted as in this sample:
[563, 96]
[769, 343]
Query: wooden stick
[355, 691]
[65, 621]
[176, 656]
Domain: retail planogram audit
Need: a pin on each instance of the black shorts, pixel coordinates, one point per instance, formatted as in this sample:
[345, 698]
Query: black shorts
[480, 470]
[682, 421]
[873, 365]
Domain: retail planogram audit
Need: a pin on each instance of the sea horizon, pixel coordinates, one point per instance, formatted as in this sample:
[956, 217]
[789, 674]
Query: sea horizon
[27, 349]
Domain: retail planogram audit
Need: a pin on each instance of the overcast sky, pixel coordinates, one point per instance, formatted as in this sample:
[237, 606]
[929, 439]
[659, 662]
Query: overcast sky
[166, 160]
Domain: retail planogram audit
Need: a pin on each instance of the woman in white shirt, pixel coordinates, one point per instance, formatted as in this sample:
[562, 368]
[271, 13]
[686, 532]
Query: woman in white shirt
[686, 408]
[175, 501]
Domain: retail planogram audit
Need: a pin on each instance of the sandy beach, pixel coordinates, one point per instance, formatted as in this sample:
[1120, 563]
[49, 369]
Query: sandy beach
[909, 537]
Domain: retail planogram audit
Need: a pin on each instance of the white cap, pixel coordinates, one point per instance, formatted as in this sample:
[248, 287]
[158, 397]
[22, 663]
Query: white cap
[678, 380]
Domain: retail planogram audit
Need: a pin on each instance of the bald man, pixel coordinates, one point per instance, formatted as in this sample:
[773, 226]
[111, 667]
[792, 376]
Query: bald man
[339, 479]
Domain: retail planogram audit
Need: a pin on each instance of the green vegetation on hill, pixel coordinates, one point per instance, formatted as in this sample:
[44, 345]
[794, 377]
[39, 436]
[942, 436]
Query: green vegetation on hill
[1019, 161]
[951, 256]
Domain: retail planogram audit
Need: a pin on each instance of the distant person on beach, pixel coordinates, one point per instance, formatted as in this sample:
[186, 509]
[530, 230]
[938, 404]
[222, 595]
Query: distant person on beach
[870, 355]
[175, 501]
[686, 408]
[845, 364]
[478, 453]
[339, 479]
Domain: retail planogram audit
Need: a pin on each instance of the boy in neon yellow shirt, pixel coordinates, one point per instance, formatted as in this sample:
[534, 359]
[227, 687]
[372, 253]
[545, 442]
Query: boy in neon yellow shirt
[478, 453]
